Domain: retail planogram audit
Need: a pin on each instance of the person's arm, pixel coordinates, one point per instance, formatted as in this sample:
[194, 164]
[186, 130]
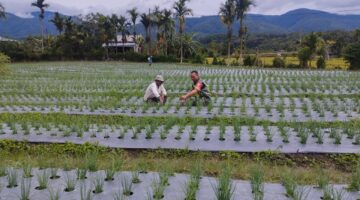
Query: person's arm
[194, 92]
[155, 91]
[163, 94]
[190, 94]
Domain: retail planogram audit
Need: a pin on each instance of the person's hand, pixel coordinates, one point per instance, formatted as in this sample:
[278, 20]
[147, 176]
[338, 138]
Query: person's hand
[183, 98]
[161, 99]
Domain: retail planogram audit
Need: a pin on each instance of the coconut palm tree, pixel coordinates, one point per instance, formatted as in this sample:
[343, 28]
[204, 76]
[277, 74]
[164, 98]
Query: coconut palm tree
[58, 21]
[134, 15]
[41, 5]
[2, 11]
[146, 22]
[242, 8]
[123, 28]
[181, 11]
[228, 13]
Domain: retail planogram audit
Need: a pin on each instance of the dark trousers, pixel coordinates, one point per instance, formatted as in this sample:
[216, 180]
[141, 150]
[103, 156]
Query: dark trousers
[155, 100]
[201, 100]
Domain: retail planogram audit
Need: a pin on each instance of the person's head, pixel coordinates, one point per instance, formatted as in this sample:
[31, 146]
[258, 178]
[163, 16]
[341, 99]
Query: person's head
[194, 76]
[159, 80]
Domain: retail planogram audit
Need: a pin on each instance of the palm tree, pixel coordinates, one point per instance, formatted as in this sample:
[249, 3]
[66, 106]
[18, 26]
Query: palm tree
[181, 11]
[167, 28]
[228, 13]
[106, 31]
[2, 11]
[41, 5]
[146, 21]
[124, 30]
[58, 21]
[114, 20]
[134, 15]
[190, 46]
[157, 19]
[242, 7]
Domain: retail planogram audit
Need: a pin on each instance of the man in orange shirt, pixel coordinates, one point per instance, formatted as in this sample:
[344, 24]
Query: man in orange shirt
[199, 91]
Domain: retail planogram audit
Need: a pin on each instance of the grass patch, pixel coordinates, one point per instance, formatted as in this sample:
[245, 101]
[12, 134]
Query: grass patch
[70, 156]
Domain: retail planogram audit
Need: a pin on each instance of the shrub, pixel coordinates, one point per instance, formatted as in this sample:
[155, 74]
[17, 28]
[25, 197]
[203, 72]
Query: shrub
[4, 60]
[292, 66]
[249, 61]
[278, 62]
[352, 56]
[320, 63]
[198, 59]
[215, 61]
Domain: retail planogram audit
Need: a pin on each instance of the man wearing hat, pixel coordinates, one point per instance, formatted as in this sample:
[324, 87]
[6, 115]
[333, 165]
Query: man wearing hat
[156, 92]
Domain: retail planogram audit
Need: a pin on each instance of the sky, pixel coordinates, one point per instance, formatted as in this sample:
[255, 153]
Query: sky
[200, 7]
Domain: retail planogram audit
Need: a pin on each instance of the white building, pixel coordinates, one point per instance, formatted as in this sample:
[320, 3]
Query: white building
[2, 39]
[129, 45]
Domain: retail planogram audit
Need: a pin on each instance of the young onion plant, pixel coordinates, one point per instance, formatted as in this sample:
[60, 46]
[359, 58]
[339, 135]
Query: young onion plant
[85, 194]
[257, 185]
[25, 189]
[289, 183]
[158, 187]
[98, 183]
[54, 194]
[27, 170]
[43, 180]
[70, 182]
[193, 183]
[81, 173]
[224, 189]
[12, 178]
[127, 185]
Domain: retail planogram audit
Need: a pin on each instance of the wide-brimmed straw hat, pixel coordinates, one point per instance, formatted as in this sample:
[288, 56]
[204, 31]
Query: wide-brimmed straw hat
[159, 78]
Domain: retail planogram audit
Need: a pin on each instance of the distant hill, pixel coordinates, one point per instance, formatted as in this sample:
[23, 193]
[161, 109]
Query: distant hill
[16, 27]
[300, 20]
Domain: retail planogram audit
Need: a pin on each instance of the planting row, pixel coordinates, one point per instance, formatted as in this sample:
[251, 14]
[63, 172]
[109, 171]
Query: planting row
[198, 111]
[330, 103]
[195, 137]
[87, 183]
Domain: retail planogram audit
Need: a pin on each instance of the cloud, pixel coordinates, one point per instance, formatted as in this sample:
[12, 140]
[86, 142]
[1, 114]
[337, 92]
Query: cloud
[200, 7]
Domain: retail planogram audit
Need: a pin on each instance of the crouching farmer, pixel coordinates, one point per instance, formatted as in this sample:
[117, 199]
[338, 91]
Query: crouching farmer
[199, 91]
[156, 92]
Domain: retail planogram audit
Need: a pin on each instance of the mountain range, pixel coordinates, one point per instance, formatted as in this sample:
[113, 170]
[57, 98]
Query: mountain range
[300, 20]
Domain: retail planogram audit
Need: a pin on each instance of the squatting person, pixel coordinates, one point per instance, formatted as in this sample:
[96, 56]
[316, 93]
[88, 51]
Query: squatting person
[199, 91]
[156, 92]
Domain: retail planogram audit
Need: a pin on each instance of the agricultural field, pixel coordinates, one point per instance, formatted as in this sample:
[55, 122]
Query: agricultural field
[292, 118]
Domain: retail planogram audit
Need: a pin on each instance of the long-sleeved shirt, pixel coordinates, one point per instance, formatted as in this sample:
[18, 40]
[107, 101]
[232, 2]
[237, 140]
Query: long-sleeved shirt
[153, 91]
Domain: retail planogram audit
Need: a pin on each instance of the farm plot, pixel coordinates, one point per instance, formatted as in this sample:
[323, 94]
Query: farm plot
[264, 106]
[83, 183]
[116, 89]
